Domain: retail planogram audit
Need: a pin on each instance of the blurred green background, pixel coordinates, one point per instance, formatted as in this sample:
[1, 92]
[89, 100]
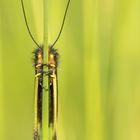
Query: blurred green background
[99, 68]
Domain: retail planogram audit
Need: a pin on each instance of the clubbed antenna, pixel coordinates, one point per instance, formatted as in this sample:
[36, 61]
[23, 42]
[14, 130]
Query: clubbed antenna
[28, 25]
[63, 21]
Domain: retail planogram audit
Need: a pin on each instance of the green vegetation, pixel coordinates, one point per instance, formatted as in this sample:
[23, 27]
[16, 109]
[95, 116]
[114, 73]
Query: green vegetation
[99, 68]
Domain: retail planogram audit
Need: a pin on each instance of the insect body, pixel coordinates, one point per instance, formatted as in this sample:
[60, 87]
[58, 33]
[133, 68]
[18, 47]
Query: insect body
[52, 90]
[52, 82]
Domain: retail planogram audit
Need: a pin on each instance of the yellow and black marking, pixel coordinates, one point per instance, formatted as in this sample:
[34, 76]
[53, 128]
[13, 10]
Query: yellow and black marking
[53, 91]
[38, 63]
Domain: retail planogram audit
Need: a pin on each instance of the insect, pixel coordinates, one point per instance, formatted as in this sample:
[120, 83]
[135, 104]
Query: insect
[52, 81]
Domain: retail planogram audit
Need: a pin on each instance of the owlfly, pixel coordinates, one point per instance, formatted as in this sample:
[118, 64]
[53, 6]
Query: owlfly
[52, 82]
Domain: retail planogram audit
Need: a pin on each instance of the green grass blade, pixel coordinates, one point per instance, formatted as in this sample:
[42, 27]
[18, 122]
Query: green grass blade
[45, 79]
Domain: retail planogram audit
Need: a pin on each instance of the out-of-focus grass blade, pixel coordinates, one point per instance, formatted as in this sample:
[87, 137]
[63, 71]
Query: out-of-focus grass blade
[1, 90]
[93, 113]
